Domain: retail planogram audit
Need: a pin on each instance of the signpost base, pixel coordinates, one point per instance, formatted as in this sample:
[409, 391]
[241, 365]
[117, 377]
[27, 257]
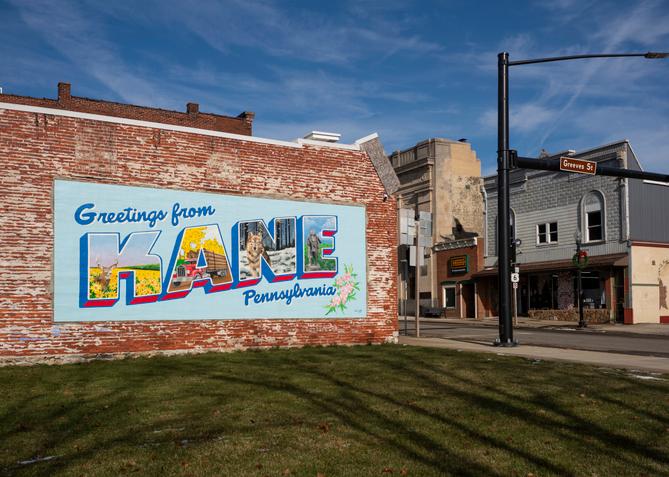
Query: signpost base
[506, 344]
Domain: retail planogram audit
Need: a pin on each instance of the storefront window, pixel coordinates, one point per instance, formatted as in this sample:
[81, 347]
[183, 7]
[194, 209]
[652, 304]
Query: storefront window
[449, 296]
[593, 290]
[543, 291]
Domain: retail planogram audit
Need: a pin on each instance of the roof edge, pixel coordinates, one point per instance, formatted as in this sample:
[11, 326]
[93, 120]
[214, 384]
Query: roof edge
[165, 126]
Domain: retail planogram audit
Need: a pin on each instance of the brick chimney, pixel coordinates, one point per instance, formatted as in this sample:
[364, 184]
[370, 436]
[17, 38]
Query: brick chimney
[192, 109]
[247, 116]
[64, 95]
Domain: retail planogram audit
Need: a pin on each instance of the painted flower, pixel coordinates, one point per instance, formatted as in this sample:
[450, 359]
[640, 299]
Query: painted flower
[346, 287]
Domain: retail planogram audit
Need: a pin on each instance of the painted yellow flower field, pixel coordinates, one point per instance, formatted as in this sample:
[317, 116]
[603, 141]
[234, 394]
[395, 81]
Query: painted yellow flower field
[147, 282]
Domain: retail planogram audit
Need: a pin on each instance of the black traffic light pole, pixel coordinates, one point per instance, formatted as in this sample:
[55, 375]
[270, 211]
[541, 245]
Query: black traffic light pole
[503, 202]
[506, 160]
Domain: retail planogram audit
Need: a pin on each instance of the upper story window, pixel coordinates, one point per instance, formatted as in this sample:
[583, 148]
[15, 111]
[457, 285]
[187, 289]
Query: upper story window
[547, 233]
[593, 217]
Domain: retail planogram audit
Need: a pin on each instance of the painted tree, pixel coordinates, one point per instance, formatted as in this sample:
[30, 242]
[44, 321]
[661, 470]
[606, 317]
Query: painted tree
[192, 240]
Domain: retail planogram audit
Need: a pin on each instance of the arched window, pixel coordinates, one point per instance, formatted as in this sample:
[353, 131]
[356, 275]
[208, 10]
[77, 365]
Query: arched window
[594, 217]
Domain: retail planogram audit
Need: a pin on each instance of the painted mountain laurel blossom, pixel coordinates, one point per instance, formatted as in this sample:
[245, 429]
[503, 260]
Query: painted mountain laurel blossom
[347, 286]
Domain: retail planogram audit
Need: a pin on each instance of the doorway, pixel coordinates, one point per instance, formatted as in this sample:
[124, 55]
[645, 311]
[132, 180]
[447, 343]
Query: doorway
[468, 300]
[619, 292]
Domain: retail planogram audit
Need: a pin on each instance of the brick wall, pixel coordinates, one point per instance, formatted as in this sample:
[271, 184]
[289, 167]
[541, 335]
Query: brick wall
[37, 148]
[475, 255]
[242, 124]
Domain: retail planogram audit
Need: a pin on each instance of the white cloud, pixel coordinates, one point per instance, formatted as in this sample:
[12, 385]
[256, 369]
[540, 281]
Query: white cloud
[306, 35]
[78, 38]
[524, 118]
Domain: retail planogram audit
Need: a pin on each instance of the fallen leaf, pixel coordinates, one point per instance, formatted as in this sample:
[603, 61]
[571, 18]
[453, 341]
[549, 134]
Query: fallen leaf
[404, 471]
[324, 426]
[387, 470]
[286, 472]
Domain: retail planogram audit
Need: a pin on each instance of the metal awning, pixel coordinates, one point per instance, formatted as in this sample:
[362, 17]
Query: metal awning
[615, 260]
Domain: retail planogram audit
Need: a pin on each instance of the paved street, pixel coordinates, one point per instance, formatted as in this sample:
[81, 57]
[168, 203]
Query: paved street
[555, 336]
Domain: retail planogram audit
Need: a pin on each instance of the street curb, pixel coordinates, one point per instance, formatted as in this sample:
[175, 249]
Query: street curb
[611, 360]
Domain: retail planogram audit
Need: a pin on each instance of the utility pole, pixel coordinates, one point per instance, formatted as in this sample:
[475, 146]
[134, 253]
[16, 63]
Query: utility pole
[405, 270]
[417, 268]
[579, 281]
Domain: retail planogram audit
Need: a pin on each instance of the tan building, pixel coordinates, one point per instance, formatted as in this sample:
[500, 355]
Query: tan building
[650, 278]
[443, 177]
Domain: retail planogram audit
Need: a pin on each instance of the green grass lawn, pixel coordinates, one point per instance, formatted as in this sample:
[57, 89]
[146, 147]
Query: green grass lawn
[374, 410]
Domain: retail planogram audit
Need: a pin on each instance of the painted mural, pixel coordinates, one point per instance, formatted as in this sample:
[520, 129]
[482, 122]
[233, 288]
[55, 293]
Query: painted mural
[132, 253]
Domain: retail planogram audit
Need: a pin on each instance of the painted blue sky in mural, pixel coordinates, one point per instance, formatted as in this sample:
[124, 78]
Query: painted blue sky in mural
[317, 224]
[409, 70]
[110, 243]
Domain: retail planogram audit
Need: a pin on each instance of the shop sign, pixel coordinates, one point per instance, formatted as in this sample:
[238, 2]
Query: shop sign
[458, 264]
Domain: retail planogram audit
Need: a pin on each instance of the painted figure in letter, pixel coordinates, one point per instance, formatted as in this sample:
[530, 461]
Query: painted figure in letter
[254, 250]
[314, 244]
[104, 276]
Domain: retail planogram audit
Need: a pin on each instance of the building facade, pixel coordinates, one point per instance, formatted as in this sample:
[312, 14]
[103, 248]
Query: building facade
[141, 235]
[457, 262]
[442, 177]
[618, 222]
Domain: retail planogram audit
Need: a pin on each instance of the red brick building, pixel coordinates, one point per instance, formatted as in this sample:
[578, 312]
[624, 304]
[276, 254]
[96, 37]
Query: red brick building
[193, 118]
[43, 140]
[457, 261]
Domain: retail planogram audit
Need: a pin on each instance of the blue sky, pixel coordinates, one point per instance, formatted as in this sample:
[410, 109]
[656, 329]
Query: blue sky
[407, 70]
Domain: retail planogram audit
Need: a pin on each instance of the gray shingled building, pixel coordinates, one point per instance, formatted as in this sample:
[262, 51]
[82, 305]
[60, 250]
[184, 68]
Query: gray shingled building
[623, 227]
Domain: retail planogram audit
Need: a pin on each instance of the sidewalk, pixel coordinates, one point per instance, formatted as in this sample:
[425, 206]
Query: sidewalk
[596, 358]
[641, 328]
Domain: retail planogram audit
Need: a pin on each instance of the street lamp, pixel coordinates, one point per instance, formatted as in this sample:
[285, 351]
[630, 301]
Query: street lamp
[579, 281]
[504, 159]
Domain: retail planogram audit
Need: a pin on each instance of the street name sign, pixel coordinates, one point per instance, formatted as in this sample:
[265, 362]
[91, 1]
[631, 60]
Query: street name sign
[580, 166]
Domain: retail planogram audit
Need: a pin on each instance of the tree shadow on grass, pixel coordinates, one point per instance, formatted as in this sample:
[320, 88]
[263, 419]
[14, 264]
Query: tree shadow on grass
[589, 432]
[332, 381]
[357, 407]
